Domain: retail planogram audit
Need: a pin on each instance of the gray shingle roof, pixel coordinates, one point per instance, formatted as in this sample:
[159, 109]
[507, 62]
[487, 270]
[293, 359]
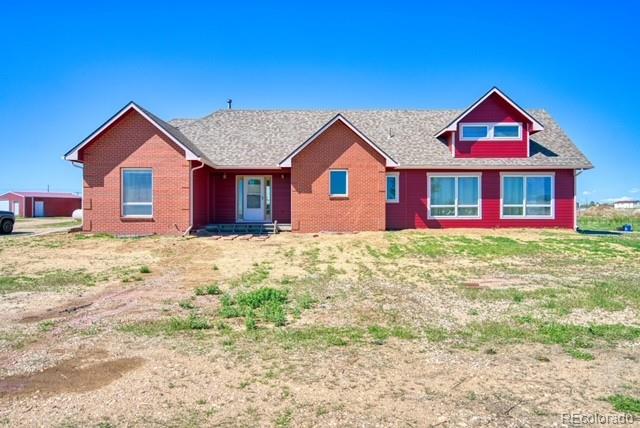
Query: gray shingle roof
[263, 138]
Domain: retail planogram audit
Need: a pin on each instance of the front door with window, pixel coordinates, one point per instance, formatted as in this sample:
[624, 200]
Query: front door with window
[254, 199]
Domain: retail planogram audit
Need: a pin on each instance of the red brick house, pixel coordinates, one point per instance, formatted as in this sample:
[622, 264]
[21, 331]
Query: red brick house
[493, 164]
[40, 204]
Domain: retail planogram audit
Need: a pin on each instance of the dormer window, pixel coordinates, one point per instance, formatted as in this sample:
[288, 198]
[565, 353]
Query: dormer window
[490, 131]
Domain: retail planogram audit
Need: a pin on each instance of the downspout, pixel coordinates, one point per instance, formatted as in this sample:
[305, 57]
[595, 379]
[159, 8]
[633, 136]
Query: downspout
[77, 165]
[576, 173]
[186, 232]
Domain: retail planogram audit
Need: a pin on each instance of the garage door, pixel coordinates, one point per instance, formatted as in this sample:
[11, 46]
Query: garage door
[4, 205]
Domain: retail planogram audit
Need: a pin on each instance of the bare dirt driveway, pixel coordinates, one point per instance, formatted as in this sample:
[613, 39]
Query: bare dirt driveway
[433, 328]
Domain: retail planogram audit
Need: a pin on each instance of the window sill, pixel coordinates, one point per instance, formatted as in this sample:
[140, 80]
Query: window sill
[453, 218]
[393, 202]
[530, 217]
[338, 196]
[137, 219]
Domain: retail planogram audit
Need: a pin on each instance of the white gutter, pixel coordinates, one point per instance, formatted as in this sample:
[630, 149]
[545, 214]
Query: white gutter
[576, 173]
[186, 232]
[81, 166]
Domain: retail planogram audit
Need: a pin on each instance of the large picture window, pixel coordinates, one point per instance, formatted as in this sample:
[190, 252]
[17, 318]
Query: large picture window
[527, 196]
[454, 196]
[137, 192]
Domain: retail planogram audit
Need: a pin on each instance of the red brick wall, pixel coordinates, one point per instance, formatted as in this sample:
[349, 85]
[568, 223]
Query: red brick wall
[494, 109]
[313, 209]
[133, 142]
[411, 211]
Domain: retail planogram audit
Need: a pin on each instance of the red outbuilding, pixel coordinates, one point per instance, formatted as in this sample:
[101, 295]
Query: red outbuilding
[40, 204]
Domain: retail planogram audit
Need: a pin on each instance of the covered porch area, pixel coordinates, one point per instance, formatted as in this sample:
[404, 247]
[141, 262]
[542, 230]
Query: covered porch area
[241, 201]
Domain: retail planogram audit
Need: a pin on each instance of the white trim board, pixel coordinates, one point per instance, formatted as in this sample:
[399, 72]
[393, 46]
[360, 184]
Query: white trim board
[72, 155]
[286, 162]
[537, 126]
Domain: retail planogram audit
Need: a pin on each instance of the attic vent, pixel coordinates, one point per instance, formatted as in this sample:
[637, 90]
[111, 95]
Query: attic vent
[390, 133]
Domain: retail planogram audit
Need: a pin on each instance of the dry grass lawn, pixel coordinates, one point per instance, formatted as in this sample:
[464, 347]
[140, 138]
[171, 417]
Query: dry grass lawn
[416, 328]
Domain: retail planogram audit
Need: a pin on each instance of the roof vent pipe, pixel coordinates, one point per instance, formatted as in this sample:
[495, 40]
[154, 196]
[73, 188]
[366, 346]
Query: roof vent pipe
[229, 101]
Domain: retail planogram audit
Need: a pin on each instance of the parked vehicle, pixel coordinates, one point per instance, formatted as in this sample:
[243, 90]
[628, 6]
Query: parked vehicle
[7, 219]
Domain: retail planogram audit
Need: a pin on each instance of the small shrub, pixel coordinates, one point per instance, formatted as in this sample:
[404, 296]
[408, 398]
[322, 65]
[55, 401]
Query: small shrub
[46, 326]
[186, 304]
[211, 289]
[145, 269]
[580, 355]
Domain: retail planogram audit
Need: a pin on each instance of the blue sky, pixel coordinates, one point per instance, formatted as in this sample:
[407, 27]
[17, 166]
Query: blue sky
[66, 68]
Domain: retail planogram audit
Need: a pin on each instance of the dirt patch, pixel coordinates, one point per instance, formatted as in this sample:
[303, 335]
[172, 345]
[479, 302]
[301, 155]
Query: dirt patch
[78, 374]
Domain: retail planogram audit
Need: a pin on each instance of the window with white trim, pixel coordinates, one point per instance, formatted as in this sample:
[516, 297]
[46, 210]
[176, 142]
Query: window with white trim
[339, 183]
[137, 192]
[393, 188]
[454, 196]
[490, 131]
[527, 196]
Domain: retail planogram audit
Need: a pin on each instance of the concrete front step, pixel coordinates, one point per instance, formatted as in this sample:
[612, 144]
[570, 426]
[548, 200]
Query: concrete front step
[244, 228]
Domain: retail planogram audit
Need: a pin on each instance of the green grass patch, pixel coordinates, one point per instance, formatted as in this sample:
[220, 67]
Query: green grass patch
[624, 403]
[573, 338]
[49, 281]
[257, 275]
[145, 269]
[580, 355]
[267, 304]
[608, 223]
[611, 295]
[383, 333]
[167, 327]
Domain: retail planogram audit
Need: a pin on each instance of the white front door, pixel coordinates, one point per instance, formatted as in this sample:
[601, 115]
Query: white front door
[16, 208]
[254, 199]
[39, 209]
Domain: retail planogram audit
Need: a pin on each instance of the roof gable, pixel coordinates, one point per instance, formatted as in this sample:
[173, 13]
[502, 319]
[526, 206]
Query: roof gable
[286, 162]
[191, 151]
[452, 126]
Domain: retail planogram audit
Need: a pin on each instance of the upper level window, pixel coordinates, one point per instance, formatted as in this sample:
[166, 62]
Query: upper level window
[339, 182]
[455, 196]
[137, 192]
[490, 131]
[528, 196]
[392, 187]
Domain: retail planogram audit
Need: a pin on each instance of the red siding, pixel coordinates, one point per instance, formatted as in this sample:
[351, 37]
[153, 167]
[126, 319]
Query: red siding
[411, 211]
[494, 109]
